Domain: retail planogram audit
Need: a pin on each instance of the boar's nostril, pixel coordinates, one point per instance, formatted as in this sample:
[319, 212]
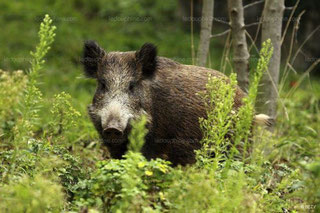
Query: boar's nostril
[112, 132]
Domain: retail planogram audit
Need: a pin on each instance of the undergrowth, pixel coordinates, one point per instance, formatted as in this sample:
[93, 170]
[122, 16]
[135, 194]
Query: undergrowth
[49, 168]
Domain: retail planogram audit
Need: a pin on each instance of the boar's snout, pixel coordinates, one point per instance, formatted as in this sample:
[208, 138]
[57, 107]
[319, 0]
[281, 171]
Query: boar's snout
[115, 121]
[113, 131]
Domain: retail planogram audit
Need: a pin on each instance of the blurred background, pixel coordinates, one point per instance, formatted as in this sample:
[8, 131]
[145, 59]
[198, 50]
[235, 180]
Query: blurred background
[125, 25]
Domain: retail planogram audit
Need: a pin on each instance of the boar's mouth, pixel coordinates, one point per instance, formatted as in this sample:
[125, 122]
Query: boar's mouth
[113, 135]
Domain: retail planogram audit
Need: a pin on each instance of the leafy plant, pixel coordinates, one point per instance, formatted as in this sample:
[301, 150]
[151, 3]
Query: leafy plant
[36, 194]
[10, 99]
[137, 134]
[219, 101]
[246, 111]
[65, 120]
[225, 126]
[25, 126]
[132, 184]
[31, 160]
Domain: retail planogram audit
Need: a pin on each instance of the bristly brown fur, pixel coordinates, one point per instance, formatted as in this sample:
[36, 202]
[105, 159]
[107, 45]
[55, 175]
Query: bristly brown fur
[166, 91]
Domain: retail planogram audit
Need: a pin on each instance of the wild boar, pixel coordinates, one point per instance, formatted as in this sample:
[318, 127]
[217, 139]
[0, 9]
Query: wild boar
[135, 83]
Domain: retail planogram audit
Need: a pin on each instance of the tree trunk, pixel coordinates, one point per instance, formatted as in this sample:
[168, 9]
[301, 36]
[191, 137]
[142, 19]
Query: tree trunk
[272, 28]
[205, 34]
[240, 47]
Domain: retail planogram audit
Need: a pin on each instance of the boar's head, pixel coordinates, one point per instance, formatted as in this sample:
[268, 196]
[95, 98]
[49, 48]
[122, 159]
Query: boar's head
[123, 88]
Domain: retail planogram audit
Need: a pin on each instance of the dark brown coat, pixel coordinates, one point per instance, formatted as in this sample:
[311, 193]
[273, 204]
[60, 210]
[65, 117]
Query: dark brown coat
[133, 83]
[176, 110]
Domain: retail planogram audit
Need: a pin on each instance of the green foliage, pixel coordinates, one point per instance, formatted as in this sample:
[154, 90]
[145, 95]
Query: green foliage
[10, 98]
[137, 134]
[65, 120]
[246, 111]
[29, 161]
[129, 185]
[36, 194]
[46, 36]
[25, 126]
[219, 121]
[225, 126]
[52, 162]
[312, 181]
[206, 191]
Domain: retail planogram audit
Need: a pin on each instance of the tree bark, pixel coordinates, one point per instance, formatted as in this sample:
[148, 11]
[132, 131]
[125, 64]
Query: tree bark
[205, 34]
[240, 47]
[272, 28]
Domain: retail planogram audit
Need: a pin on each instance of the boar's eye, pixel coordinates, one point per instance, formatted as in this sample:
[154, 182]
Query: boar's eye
[102, 85]
[131, 86]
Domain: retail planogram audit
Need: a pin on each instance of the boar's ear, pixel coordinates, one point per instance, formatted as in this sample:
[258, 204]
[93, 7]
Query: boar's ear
[92, 55]
[147, 59]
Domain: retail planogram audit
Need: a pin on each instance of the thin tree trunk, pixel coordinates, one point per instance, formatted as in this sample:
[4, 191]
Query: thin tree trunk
[205, 34]
[272, 28]
[240, 47]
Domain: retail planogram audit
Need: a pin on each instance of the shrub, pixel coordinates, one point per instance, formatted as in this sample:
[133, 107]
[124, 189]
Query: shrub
[218, 99]
[36, 194]
[65, 120]
[132, 184]
[30, 159]
[25, 126]
[14, 84]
